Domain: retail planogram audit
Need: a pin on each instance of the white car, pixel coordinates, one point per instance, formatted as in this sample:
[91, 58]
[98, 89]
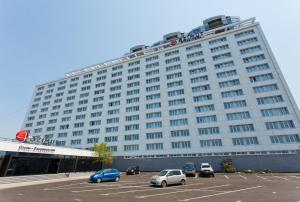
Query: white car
[206, 170]
[167, 177]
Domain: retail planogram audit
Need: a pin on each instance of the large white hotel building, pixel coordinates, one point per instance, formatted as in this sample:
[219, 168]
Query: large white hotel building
[213, 93]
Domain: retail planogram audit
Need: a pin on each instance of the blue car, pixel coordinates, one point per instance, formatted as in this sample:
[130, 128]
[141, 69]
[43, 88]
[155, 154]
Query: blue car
[108, 174]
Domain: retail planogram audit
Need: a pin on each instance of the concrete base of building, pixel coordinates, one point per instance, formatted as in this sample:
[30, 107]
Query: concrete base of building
[275, 163]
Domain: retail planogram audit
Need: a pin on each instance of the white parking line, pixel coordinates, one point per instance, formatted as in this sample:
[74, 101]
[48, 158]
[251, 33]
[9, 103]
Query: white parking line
[101, 189]
[226, 177]
[266, 179]
[225, 192]
[283, 178]
[295, 177]
[245, 178]
[179, 191]
[76, 199]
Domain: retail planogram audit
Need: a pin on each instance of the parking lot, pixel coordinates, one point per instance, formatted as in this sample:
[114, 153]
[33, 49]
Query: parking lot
[224, 187]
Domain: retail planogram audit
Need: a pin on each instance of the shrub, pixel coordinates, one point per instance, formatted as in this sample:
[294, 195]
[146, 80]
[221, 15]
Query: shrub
[228, 166]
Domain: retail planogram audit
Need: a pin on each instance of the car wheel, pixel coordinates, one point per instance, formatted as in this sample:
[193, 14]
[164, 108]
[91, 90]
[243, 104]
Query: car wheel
[99, 180]
[163, 184]
[213, 175]
[117, 179]
[182, 182]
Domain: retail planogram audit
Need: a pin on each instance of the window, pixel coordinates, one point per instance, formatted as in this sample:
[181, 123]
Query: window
[176, 102]
[224, 65]
[132, 118]
[152, 80]
[153, 72]
[115, 81]
[133, 84]
[221, 56]
[100, 78]
[92, 140]
[112, 129]
[132, 100]
[202, 88]
[132, 127]
[152, 65]
[208, 131]
[133, 63]
[96, 114]
[280, 125]
[285, 139]
[112, 120]
[131, 137]
[152, 88]
[274, 112]
[95, 123]
[219, 48]
[181, 145]
[115, 74]
[235, 104]
[195, 54]
[216, 41]
[257, 68]
[87, 76]
[85, 88]
[176, 112]
[153, 105]
[193, 47]
[78, 125]
[98, 85]
[174, 76]
[269, 100]
[113, 148]
[98, 99]
[132, 70]
[202, 98]
[111, 139]
[179, 122]
[65, 119]
[75, 142]
[133, 147]
[132, 77]
[238, 116]
[196, 62]
[207, 119]
[173, 67]
[153, 115]
[205, 108]
[102, 71]
[247, 41]
[117, 68]
[250, 49]
[152, 58]
[230, 83]
[154, 135]
[174, 84]
[113, 96]
[62, 135]
[94, 131]
[245, 141]
[153, 96]
[262, 77]
[241, 128]
[174, 52]
[197, 71]
[157, 124]
[211, 143]
[77, 133]
[199, 79]
[64, 127]
[180, 133]
[244, 33]
[226, 74]
[112, 104]
[154, 146]
[86, 81]
[175, 92]
[132, 109]
[265, 88]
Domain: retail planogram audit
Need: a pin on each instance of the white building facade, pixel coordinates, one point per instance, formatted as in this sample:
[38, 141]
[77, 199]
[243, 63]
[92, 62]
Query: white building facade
[212, 93]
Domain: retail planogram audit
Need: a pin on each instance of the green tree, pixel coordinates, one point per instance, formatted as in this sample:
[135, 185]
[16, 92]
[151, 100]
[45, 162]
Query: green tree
[104, 154]
[228, 166]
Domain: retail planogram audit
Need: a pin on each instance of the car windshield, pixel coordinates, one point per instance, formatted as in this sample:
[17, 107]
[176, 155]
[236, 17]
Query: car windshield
[189, 166]
[163, 173]
[100, 171]
[205, 166]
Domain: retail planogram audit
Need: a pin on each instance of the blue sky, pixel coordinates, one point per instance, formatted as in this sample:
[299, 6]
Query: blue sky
[42, 40]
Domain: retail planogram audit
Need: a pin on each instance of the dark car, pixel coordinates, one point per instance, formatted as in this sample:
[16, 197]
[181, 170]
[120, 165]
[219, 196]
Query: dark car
[189, 169]
[108, 174]
[132, 170]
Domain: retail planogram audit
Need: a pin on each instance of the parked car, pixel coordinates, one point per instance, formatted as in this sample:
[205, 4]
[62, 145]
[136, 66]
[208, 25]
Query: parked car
[109, 174]
[189, 169]
[132, 170]
[168, 177]
[206, 170]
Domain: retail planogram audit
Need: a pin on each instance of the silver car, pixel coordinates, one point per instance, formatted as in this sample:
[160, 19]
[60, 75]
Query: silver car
[167, 177]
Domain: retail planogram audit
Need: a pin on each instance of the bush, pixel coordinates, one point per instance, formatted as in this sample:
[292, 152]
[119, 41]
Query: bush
[228, 166]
